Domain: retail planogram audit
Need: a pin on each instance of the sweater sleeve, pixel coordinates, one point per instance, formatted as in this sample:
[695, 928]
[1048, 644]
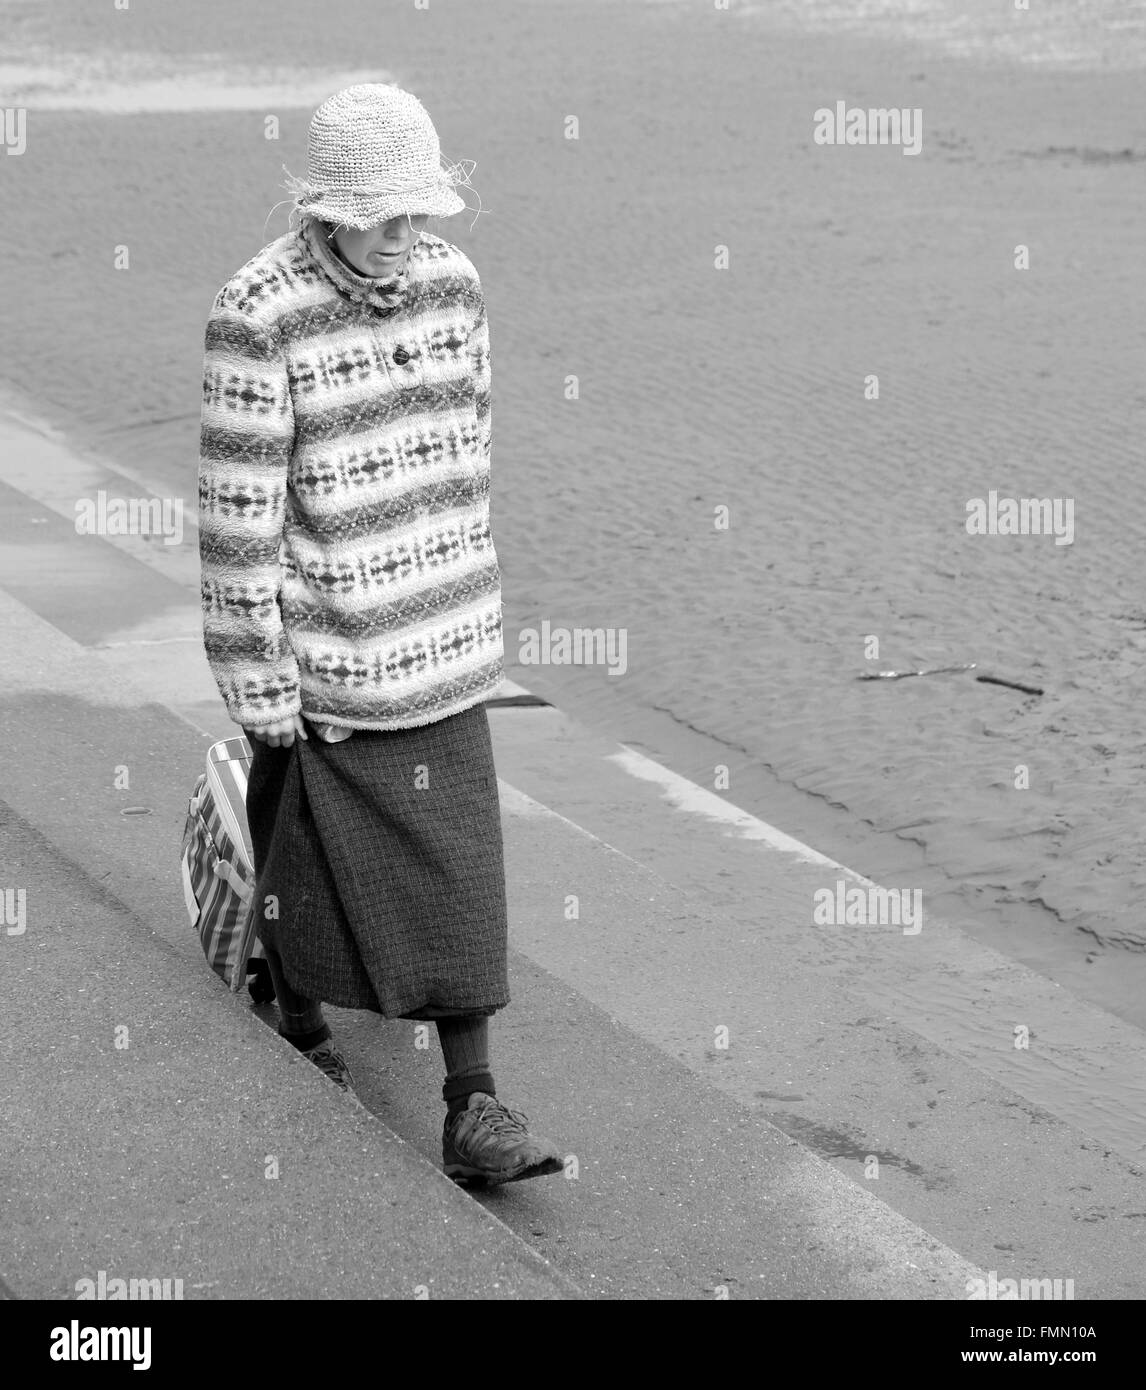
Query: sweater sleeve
[245, 446]
[480, 368]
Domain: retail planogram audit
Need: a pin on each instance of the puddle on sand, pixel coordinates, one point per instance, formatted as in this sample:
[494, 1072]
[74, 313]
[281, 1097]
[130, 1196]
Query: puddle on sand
[129, 83]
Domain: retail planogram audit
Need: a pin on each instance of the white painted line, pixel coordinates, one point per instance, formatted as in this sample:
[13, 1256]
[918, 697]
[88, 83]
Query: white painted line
[686, 796]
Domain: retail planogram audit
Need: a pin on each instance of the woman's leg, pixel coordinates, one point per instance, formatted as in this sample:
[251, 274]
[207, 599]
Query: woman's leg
[483, 1139]
[299, 1017]
[465, 1046]
[301, 1023]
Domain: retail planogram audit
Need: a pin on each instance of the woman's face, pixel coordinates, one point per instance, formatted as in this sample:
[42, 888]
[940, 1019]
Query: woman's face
[380, 251]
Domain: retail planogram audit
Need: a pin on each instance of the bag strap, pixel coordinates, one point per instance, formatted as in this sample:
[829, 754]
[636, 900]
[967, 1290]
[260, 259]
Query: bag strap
[221, 868]
[227, 871]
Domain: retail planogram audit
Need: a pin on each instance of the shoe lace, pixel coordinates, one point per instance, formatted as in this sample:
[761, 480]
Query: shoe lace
[501, 1119]
[328, 1060]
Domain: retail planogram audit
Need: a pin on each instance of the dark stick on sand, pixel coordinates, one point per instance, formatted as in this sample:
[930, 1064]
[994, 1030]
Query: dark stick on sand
[1012, 685]
[940, 670]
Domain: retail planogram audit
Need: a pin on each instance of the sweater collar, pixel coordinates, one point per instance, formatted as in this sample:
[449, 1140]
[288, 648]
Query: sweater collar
[384, 293]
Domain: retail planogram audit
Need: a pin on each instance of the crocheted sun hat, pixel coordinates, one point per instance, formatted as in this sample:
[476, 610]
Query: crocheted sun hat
[372, 154]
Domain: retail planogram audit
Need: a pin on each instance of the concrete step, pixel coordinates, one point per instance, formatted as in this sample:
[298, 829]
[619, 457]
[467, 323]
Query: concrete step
[147, 1110]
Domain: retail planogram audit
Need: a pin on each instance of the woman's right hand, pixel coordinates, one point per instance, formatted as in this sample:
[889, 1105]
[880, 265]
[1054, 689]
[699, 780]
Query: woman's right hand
[280, 734]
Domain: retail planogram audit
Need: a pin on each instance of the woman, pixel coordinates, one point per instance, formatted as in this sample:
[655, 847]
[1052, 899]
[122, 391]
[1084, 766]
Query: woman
[352, 607]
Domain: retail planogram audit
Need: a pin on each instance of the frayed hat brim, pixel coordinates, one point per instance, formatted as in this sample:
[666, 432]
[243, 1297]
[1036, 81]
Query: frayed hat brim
[363, 208]
[364, 213]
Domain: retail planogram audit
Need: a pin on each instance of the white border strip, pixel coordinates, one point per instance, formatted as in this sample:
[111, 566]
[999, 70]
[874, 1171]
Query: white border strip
[686, 796]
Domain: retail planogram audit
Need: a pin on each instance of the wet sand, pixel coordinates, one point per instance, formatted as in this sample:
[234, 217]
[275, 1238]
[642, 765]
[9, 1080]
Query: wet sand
[704, 388]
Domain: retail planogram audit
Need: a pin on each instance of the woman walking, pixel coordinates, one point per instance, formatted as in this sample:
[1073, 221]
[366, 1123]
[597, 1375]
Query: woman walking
[352, 608]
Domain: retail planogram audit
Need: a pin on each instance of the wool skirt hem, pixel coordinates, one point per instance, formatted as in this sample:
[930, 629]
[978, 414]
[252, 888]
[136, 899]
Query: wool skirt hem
[380, 877]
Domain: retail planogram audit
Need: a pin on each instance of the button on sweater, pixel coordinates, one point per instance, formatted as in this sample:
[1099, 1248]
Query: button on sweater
[348, 572]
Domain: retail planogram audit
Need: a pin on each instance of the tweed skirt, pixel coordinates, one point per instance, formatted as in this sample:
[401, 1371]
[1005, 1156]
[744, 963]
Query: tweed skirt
[380, 870]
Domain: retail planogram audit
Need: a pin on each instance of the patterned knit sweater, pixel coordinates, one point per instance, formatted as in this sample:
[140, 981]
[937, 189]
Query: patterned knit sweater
[344, 480]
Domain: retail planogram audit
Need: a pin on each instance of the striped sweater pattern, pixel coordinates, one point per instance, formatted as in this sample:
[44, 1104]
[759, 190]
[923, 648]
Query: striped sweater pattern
[348, 572]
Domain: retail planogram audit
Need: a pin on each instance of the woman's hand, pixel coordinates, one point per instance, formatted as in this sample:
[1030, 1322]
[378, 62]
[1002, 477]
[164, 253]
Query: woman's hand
[280, 734]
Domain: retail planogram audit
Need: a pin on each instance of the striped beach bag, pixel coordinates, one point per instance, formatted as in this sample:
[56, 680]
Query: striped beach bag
[218, 870]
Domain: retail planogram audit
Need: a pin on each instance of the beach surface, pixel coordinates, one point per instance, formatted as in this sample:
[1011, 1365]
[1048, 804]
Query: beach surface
[702, 388]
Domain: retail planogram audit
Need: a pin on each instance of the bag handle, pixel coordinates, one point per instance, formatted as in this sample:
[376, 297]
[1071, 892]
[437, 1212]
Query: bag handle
[222, 868]
[225, 870]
